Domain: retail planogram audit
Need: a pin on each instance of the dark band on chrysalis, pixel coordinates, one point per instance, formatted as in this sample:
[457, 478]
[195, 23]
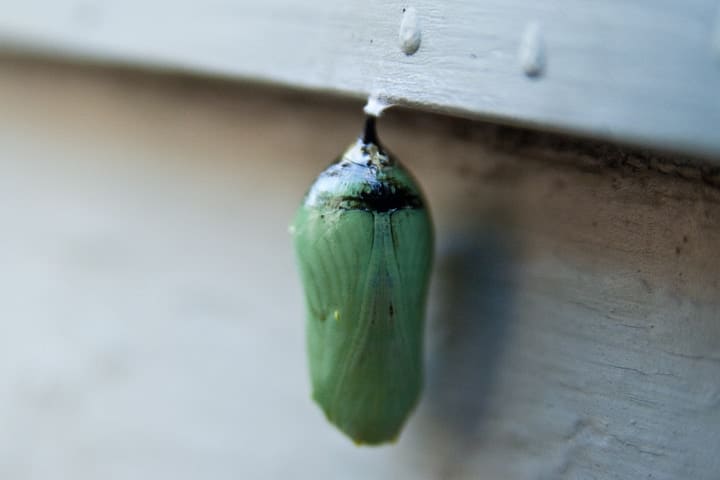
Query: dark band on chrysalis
[382, 197]
[377, 196]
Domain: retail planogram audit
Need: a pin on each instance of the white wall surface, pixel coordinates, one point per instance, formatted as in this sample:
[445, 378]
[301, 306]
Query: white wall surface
[151, 315]
[641, 70]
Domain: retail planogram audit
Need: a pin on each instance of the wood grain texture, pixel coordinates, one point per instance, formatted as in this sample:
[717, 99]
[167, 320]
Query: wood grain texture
[152, 314]
[641, 71]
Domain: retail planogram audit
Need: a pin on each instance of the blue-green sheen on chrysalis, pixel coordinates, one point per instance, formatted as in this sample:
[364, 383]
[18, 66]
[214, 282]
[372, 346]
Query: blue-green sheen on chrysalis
[364, 244]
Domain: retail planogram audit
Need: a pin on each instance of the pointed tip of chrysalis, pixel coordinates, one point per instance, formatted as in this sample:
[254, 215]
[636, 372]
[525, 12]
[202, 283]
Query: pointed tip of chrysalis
[370, 131]
[369, 141]
[368, 146]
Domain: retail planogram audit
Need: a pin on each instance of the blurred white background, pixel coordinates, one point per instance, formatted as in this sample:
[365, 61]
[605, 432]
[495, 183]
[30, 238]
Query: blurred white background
[152, 319]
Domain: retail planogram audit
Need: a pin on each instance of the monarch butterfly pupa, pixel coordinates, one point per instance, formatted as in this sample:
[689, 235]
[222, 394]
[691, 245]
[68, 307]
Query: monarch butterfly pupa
[364, 243]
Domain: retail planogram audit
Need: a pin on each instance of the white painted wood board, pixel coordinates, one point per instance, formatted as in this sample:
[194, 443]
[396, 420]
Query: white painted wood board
[152, 318]
[641, 71]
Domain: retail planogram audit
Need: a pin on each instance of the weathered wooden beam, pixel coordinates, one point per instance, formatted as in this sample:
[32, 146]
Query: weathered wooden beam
[640, 71]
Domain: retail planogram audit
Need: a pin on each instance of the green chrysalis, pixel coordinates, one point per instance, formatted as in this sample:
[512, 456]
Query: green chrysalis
[364, 244]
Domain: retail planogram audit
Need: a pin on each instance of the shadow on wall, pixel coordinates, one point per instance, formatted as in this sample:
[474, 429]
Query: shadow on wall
[468, 328]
